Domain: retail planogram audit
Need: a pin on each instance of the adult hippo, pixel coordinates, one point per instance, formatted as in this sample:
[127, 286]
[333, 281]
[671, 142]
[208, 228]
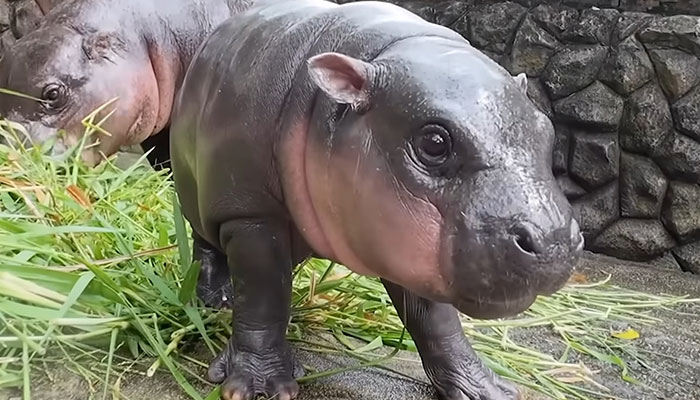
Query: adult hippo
[88, 52]
[85, 53]
[363, 134]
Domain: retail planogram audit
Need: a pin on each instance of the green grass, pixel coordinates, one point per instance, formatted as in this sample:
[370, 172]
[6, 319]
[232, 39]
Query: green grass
[96, 277]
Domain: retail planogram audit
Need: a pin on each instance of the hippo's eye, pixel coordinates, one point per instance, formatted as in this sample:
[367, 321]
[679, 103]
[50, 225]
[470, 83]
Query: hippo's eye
[433, 145]
[54, 95]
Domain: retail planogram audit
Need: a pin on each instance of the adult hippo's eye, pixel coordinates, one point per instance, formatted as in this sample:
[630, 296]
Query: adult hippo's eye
[433, 145]
[54, 96]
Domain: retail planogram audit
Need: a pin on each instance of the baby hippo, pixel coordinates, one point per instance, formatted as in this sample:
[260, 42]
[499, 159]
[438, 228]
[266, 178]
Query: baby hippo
[130, 55]
[363, 134]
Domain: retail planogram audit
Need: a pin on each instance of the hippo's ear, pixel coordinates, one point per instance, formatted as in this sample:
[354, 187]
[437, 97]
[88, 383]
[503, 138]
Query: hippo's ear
[521, 80]
[345, 79]
[102, 45]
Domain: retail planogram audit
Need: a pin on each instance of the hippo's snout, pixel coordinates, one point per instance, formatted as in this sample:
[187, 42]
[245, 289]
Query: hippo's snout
[32, 133]
[500, 272]
[549, 252]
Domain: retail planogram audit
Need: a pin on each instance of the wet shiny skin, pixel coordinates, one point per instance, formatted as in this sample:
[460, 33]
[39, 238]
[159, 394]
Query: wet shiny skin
[96, 51]
[294, 135]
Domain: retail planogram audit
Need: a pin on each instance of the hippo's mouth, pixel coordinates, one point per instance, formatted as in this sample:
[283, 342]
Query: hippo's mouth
[509, 305]
[486, 309]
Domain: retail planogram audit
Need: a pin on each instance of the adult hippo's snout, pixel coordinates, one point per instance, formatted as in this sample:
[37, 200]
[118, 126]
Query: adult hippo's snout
[34, 133]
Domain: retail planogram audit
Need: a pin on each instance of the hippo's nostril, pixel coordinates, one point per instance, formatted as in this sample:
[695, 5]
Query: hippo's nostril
[524, 239]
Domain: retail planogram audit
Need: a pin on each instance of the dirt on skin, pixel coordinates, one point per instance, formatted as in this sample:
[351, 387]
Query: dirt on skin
[674, 357]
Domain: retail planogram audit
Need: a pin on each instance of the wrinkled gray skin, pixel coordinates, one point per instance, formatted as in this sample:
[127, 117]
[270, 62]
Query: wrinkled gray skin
[88, 52]
[363, 134]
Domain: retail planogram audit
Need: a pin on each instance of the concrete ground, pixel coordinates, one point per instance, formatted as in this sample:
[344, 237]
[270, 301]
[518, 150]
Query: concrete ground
[675, 360]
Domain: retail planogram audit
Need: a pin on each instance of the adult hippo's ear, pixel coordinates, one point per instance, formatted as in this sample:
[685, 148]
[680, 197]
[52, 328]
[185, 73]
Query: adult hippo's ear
[344, 79]
[521, 80]
[102, 45]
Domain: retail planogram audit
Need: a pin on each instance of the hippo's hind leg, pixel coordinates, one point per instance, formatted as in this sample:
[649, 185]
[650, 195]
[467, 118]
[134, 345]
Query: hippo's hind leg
[258, 359]
[214, 287]
[449, 361]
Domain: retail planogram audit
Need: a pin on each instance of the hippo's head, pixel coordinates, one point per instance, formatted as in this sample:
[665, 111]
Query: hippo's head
[69, 73]
[436, 175]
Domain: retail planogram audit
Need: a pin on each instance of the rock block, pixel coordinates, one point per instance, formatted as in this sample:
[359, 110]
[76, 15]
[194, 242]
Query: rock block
[677, 31]
[597, 210]
[532, 48]
[687, 113]
[679, 157]
[597, 106]
[560, 155]
[627, 67]
[646, 120]
[634, 239]
[571, 189]
[688, 256]
[595, 159]
[572, 69]
[594, 26]
[536, 93]
[642, 187]
[681, 213]
[492, 26]
[677, 71]
[556, 19]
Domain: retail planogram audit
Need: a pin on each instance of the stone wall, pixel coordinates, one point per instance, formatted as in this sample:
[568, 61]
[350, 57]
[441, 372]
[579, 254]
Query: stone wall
[659, 7]
[623, 90]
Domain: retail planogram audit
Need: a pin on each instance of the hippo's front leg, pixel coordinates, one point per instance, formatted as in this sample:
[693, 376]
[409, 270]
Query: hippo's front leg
[449, 361]
[258, 358]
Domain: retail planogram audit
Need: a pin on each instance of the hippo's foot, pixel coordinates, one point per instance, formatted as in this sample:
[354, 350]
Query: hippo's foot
[450, 363]
[466, 378]
[246, 374]
[214, 286]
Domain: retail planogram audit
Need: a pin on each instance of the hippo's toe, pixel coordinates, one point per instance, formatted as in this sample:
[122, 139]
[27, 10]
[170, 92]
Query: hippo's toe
[241, 386]
[245, 375]
[467, 381]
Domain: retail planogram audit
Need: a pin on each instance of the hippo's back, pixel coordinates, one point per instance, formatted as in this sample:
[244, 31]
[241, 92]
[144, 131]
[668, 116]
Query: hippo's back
[250, 75]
